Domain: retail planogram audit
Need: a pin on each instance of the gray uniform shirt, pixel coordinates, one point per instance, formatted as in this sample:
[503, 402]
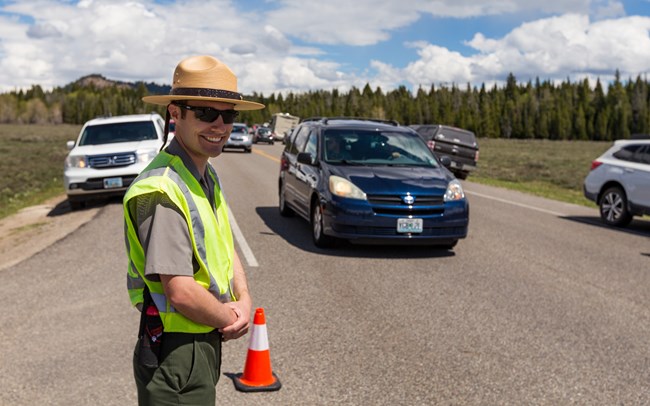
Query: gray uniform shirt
[162, 228]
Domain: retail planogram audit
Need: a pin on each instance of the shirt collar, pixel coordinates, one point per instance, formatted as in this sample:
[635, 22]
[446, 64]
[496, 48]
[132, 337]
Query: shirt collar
[175, 148]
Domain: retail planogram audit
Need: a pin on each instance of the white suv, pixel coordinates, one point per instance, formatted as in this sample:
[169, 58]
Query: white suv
[109, 154]
[619, 182]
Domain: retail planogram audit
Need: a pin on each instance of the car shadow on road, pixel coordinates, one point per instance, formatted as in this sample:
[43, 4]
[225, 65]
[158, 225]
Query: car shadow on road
[637, 226]
[296, 231]
[63, 207]
[60, 209]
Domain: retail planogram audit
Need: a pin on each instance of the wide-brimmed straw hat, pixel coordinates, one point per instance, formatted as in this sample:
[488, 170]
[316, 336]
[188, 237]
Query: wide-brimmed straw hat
[204, 78]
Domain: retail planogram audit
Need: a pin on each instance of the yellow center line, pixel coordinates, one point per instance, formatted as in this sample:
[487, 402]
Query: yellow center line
[264, 154]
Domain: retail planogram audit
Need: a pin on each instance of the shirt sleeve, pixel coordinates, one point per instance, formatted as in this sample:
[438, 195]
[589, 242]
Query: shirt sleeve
[164, 235]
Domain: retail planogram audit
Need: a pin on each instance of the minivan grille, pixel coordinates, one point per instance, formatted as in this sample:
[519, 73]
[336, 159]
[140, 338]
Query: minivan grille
[394, 205]
[111, 161]
[419, 200]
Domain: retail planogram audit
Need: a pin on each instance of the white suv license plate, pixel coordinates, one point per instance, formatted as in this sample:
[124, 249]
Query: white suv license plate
[409, 225]
[110, 183]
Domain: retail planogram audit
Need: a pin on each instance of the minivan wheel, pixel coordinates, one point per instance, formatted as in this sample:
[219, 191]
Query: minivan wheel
[285, 210]
[613, 207]
[320, 239]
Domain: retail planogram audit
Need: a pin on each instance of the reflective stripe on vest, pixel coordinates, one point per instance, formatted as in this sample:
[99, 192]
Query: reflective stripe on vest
[209, 231]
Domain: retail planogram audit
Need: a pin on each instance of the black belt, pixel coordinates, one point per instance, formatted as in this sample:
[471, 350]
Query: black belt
[212, 335]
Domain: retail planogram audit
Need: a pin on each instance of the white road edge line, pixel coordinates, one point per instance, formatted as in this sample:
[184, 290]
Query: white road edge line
[243, 245]
[554, 213]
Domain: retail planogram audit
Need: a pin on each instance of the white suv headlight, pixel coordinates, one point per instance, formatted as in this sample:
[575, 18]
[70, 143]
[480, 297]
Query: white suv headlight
[454, 191]
[75, 161]
[146, 155]
[344, 188]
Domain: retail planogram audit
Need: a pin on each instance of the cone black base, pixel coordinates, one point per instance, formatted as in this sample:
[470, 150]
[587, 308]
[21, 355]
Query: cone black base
[242, 387]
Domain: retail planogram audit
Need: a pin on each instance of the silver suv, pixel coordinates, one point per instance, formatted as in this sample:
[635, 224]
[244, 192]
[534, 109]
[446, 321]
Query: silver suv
[240, 138]
[108, 155]
[619, 182]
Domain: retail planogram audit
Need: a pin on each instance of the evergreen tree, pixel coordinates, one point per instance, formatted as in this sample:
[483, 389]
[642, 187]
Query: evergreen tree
[531, 110]
[620, 110]
[639, 105]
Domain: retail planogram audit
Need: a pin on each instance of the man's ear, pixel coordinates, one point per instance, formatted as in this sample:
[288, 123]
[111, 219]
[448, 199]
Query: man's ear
[173, 111]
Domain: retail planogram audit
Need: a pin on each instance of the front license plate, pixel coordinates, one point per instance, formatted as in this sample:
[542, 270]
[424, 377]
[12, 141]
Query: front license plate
[110, 183]
[409, 225]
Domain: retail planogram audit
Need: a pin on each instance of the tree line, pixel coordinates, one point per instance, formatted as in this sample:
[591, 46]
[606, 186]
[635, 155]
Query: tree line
[531, 110]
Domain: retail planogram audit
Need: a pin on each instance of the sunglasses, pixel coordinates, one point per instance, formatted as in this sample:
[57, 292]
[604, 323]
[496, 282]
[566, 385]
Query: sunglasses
[209, 115]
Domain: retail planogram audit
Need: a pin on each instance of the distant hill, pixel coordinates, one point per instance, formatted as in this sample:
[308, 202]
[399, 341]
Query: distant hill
[100, 82]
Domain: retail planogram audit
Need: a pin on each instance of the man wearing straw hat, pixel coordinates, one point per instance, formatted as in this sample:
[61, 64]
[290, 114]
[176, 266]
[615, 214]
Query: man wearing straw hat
[184, 273]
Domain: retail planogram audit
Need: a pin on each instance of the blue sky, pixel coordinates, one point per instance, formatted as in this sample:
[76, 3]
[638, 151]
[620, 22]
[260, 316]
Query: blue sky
[301, 45]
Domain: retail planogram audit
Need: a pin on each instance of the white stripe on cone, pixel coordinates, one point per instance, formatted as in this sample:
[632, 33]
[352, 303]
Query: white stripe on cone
[259, 338]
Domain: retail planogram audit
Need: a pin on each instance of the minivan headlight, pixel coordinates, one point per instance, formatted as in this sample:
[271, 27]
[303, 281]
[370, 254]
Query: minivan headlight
[146, 155]
[344, 188]
[454, 191]
[76, 161]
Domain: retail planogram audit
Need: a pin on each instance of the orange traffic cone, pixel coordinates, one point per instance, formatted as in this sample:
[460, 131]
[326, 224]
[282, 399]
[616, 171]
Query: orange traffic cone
[258, 375]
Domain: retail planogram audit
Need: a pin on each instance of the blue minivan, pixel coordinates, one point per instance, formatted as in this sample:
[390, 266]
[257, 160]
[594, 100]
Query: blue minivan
[370, 182]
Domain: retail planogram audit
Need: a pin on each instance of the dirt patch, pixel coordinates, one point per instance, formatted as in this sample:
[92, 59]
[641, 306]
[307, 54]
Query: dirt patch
[35, 228]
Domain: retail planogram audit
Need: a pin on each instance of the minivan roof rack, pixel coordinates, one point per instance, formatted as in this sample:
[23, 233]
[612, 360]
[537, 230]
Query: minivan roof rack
[325, 120]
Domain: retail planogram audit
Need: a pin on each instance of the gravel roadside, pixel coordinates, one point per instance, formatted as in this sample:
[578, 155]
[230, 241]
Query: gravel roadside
[35, 228]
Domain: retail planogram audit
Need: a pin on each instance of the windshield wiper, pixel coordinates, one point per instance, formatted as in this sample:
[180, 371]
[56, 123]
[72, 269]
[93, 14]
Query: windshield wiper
[346, 162]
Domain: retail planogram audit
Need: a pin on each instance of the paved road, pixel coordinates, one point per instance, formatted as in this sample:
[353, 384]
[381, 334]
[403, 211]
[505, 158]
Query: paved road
[539, 305]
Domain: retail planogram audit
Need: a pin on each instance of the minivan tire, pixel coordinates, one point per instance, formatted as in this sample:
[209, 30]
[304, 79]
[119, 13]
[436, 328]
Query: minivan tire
[320, 239]
[285, 210]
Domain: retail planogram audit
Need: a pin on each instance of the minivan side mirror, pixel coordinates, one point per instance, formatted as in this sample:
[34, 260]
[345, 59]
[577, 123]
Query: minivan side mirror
[70, 144]
[305, 158]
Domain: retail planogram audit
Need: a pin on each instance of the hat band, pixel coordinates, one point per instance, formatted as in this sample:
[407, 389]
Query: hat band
[203, 92]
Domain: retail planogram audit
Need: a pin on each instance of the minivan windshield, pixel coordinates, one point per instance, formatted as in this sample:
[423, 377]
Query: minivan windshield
[359, 147]
[118, 132]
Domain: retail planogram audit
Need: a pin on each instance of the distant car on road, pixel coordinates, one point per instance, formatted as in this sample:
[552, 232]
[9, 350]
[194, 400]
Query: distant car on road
[461, 146]
[240, 138]
[370, 182]
[619, 182]
[108, 155]
[263, 134]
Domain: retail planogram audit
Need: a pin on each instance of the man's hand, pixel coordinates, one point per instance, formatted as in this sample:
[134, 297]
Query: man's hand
[242, 309]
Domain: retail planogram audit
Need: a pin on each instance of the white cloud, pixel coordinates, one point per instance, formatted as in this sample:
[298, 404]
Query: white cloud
[358, 22]
[289, 47]
[478, 8]
[553, 48]
[438, 65]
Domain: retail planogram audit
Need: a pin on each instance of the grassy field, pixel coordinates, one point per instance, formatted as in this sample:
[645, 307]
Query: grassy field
[31, 161]
[553, 169]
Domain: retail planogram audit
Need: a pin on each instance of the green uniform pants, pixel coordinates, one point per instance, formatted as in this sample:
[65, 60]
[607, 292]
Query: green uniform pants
[188, 372]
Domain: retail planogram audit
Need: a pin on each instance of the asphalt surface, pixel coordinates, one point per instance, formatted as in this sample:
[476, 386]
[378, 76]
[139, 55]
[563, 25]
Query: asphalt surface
[540, 305]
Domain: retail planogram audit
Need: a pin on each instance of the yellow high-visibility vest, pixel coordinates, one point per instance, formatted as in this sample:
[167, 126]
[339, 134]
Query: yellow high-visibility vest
[209, 231]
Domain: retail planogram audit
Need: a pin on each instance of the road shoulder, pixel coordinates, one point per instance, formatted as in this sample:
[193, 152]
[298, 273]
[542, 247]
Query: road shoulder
[37, 227]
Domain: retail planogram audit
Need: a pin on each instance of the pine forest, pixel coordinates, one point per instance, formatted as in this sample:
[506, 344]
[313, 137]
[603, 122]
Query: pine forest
[532, 110]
